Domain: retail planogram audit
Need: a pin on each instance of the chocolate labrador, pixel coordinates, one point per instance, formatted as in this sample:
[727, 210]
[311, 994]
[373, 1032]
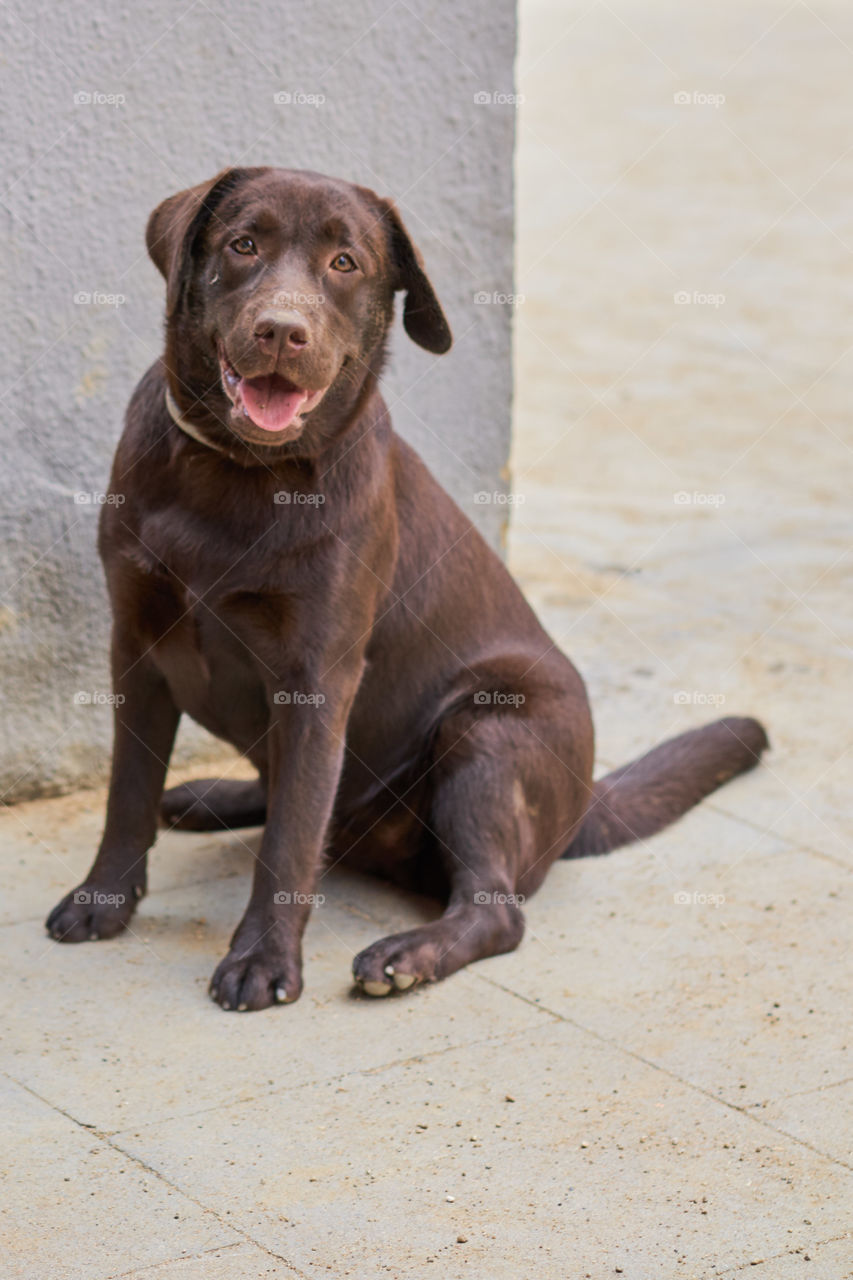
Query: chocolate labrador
[284, 569]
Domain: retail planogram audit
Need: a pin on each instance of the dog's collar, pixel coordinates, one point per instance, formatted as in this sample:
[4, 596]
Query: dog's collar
[188, 427]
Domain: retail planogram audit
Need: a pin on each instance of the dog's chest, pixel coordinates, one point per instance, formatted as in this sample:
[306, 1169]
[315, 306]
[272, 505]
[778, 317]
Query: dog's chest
[205, 560]
[190, 623]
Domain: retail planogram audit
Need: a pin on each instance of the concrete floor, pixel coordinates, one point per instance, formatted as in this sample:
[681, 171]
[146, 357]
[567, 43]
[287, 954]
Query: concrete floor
[658, 1084]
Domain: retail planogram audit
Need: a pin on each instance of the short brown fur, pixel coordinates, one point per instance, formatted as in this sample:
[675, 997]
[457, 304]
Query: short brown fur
[324, 605]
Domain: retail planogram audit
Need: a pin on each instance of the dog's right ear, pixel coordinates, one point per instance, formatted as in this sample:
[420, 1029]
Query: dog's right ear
[175, 226]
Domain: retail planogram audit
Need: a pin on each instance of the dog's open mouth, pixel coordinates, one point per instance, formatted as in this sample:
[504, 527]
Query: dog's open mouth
[271, 402]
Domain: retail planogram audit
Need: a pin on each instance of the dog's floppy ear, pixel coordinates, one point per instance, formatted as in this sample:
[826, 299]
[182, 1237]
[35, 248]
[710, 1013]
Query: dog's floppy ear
[423, 318]
[176, 224]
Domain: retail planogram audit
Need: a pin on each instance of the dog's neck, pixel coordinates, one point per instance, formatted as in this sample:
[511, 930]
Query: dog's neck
[188, 427]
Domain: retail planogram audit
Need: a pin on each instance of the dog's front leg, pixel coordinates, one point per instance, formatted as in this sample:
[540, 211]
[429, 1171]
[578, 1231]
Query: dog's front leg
[145, 723]
[306, 744]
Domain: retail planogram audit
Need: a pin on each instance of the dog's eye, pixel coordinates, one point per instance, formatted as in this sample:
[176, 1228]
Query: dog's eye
[343, 262]
[243, 244]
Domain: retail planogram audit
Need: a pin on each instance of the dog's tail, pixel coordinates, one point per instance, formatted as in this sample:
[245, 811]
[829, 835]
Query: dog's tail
[645, 796]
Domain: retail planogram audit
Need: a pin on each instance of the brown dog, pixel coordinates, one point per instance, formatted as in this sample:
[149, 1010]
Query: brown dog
[285, 570]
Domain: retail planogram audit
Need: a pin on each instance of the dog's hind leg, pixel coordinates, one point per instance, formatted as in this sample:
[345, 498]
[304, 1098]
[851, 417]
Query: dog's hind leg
[215, 804]
[496, 819]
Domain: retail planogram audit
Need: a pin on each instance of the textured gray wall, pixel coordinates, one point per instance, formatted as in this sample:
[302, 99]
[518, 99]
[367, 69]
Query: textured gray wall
[107, 112]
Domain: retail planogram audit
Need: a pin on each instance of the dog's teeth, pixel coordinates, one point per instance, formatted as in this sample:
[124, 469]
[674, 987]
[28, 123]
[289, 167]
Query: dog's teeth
[402, 981]
[377, 988]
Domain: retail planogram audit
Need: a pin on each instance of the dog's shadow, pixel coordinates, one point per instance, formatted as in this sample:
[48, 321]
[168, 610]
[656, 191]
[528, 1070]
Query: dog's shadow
[217, 874]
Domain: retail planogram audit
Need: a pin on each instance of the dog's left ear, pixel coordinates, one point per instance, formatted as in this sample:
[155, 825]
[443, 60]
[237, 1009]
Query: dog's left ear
[176, 224]
[423, 318]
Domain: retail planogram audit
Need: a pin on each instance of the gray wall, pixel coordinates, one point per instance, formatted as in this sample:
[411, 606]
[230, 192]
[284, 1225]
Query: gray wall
[107, 112]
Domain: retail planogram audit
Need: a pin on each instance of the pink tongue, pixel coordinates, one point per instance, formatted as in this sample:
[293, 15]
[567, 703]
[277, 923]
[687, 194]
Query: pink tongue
[270, 402]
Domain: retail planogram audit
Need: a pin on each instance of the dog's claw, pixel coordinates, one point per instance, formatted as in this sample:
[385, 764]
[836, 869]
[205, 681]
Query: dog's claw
[402, 981]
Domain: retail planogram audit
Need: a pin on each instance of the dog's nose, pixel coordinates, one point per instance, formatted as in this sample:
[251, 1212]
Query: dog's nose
[281, 332]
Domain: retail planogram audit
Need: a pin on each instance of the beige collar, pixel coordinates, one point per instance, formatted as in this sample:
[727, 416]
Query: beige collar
[187, 427]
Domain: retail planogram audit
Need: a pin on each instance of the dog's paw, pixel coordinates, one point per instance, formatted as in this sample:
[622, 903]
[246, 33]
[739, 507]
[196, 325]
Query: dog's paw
[255, 980]
[92, 912]
[396, 963]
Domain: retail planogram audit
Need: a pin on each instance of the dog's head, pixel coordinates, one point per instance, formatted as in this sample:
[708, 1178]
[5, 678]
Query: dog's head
[280, 287]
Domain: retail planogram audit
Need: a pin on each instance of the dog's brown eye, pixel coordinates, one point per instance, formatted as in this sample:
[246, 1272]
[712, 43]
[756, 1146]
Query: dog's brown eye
[343, 262]
[243, 244]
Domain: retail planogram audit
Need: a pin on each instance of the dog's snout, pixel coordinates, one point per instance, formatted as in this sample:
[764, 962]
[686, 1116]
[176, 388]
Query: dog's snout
[282, 332]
